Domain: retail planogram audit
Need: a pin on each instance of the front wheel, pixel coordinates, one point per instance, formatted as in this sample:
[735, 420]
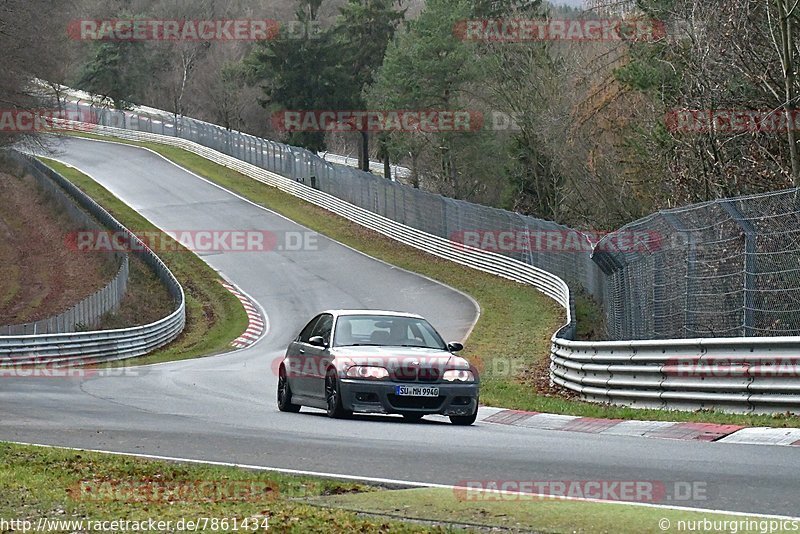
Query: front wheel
[334, 397]
[465, 420]
[285, 394]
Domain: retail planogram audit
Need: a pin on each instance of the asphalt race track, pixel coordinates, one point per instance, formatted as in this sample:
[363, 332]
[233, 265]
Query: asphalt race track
[222, 408]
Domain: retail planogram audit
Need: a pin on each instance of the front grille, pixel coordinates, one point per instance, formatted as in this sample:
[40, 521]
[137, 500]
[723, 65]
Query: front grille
[418, 403]
[425, 374]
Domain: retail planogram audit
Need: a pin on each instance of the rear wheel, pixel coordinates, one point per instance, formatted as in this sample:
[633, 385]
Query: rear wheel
[285, 394]
[333, 396]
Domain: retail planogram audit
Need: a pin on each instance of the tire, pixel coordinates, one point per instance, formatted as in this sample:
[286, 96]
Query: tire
[464, 420]
[333, 397]
[285, 393]
[413, 417]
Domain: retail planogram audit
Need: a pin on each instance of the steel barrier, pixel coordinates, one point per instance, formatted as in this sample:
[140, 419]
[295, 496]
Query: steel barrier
[87, 312]
[103, 345]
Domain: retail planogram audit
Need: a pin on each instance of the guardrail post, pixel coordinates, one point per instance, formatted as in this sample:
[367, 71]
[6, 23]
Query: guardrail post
[750, 267]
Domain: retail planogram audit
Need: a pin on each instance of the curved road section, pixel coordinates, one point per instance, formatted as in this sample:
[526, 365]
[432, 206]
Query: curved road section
[222, 408]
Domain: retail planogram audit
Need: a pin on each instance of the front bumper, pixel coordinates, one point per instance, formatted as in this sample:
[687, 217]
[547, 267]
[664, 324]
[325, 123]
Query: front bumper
[366, 396]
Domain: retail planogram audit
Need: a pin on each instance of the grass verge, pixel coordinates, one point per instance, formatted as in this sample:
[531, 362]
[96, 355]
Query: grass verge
[146, 299]
[73, 486]
[214, 317]
[67, 487]
[527, 514]
[510, 342]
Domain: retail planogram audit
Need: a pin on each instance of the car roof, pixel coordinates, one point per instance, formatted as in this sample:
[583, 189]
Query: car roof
[387, 313]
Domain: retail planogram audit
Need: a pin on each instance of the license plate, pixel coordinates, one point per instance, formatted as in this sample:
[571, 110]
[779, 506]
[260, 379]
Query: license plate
[417, 391]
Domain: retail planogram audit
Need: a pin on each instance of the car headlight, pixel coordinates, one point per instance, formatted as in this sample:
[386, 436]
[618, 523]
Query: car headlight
[367, 372]
[457, 375]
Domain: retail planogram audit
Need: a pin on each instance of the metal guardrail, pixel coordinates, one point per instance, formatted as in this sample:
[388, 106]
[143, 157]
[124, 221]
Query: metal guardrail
[86, 313]
[759, 375]
[731, 374]
[396, 171]
[82, 315]
[104, 345]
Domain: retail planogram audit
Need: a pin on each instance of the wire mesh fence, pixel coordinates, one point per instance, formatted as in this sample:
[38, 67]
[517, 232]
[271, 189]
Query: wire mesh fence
[725, 268]
[87, 312]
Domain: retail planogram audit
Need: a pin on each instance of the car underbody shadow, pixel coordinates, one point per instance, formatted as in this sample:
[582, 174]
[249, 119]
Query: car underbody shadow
[377, 418]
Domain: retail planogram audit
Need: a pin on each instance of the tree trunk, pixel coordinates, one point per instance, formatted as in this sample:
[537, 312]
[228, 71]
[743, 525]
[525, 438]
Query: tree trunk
[786, 25]
[383, 154]
[414, 171]
[363, 152]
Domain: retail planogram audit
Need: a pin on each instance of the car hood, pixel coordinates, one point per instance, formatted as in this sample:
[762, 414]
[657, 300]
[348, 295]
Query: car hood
[398, 357]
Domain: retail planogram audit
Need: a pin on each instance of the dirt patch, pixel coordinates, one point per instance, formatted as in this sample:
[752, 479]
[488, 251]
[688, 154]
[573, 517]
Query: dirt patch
[537, 375]
[40, 276]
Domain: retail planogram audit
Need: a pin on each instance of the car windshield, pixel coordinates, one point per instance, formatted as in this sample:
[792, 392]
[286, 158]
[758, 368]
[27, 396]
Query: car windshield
[386, 331]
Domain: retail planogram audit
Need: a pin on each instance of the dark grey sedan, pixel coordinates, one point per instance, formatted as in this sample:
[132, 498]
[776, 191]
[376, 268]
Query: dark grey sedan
[369, 361]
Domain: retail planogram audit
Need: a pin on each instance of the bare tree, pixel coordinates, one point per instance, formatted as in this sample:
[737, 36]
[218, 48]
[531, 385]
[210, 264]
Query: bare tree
[30, 46]
[786, 46]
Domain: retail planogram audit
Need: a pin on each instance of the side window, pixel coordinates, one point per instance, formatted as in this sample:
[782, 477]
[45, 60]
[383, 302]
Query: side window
[323, 327]
[306, 334]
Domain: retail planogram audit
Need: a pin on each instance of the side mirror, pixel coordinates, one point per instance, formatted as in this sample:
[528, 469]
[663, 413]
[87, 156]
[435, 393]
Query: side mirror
[318, 341]
[455, 346]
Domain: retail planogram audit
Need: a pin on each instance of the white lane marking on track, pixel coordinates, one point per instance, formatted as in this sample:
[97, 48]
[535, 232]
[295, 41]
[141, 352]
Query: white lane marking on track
[785, 437]
[396, 482]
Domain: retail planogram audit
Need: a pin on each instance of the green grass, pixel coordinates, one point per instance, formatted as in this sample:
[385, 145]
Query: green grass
[214, 317]
[68, 485]
[528, 514]
[511, 341]
[591, 324]
[39, 482]
[146, 299]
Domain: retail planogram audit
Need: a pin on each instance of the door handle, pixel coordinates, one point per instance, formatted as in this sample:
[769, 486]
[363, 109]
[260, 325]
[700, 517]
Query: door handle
[302, 351]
